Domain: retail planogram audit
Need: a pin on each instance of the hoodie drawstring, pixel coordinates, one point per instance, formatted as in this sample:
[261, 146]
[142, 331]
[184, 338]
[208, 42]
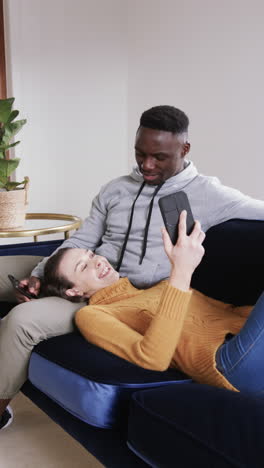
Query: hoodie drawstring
[128, 229]
[144, 248]
[146, 227]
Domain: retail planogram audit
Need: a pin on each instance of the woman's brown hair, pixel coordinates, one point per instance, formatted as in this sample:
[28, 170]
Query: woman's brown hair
[54, 283]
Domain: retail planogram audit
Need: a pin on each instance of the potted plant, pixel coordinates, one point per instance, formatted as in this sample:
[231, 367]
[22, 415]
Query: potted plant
[13, 195]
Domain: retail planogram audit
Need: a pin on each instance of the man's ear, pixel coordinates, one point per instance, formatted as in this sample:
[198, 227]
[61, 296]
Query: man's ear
[73, 292]
[186, 148]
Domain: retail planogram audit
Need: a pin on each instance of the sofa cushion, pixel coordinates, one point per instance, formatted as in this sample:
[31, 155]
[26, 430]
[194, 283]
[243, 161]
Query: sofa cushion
[180, 424]
[42, 248]
[92, 384]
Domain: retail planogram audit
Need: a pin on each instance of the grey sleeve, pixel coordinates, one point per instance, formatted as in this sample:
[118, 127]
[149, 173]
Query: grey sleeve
[228, 203]
[90, 233]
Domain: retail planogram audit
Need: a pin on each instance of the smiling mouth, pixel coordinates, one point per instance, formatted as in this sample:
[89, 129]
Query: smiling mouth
[104, 272]
[149, 176]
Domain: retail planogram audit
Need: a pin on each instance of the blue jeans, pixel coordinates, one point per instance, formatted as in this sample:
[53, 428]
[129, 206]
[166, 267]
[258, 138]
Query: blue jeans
[241, 358]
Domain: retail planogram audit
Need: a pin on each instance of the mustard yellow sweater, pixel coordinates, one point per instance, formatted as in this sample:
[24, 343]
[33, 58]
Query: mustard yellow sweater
[162, 327]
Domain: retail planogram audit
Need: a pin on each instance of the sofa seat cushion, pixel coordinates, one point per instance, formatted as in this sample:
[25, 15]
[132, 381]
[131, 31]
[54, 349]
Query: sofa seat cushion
[180, 425]
[92, 384]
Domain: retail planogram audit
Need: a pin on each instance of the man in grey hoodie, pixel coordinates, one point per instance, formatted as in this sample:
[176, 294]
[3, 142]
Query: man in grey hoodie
[124, 226]
[161, 148]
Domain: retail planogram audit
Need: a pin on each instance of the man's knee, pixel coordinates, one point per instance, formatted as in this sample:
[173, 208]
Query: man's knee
[44, 307]
[16, 327]
[40, 319]
[19, 321]
[18, 314]
[45, 313]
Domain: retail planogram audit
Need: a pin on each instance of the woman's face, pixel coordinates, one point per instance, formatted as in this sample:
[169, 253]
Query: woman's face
[87, 271]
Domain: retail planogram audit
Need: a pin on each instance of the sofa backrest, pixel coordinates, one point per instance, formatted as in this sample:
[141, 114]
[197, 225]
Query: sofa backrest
[42, 248]
[232, 269]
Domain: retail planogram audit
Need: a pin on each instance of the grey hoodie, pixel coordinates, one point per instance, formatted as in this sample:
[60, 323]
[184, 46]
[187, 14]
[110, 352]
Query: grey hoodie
[106, 226]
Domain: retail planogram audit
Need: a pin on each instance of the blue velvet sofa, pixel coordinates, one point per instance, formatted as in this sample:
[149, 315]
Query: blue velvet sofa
[127, 416]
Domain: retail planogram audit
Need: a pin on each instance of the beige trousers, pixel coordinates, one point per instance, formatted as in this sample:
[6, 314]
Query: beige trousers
[26, 325]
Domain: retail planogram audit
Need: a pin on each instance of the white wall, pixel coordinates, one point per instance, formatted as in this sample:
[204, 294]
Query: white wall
[205, 57]
[67, 68]
[82, 73]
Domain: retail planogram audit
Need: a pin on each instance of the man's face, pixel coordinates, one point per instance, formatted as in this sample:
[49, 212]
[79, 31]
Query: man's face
[159, 154]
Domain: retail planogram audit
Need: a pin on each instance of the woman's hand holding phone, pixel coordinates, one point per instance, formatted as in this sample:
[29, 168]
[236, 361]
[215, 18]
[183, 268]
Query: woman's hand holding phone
[30, 285]
[186, 255]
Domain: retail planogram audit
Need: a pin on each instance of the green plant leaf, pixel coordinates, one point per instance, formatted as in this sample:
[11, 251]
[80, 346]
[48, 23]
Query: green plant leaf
[6, 147]
[13, 185]
[10, 130]
[7, 167]
[5, 109]
[3, 181]
[12, 116]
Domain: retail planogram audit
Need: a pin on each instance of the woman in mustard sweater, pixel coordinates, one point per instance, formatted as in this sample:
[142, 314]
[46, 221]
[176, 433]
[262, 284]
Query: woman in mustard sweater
[168, 325]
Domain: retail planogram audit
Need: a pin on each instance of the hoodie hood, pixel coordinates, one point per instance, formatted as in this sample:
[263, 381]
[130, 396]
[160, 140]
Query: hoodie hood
[180, 180]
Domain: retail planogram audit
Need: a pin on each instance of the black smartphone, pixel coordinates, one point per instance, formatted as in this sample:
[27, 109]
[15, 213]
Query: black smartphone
[171, 207]
[23, 291]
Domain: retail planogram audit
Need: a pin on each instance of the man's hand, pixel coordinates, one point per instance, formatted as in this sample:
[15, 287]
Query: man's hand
[32, 285]
[186, 255]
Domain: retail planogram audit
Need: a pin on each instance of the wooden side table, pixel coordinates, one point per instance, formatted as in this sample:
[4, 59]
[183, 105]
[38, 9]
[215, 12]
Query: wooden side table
[40, 224]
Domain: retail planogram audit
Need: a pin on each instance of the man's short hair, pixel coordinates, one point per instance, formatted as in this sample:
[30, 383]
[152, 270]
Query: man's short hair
[166, 118]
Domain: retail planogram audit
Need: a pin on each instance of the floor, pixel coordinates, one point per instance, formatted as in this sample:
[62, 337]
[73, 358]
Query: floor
[33, 440]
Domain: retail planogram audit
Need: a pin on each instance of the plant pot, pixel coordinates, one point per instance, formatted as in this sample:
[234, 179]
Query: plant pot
[13, 208]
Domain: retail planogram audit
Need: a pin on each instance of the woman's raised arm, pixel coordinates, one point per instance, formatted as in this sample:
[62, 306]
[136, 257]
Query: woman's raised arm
[186, 254]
